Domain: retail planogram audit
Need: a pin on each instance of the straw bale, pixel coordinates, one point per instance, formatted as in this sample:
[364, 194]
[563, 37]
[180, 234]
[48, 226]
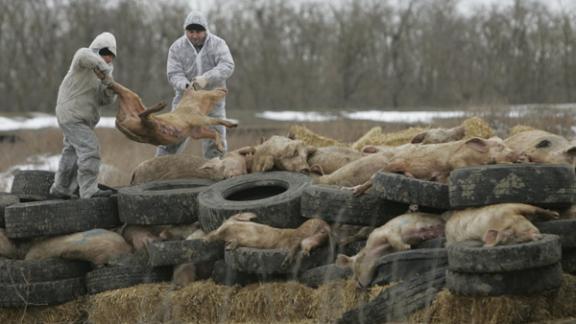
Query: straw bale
[367, 138]
[202, 302]
[137, 304]
[71, 312]
[307, 136]
[448, 308]
[520, 128]
[477, 127]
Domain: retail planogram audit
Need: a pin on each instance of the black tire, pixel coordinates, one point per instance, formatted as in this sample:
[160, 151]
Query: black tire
[265, 262]
[399, 301]
[54, 217]
[161, 202]
[569, 261]
[337, 205]
[470, 256]
[565, 228]
[545, 185]
[223, 274]
[400, 188]
[522, 282]
[24, 271]
[115, 277]
[177, 252]
[41, 293]
[318, 276]
[403, 265]
[273, 196]
[352, 248]
[6, 200]
[435, 243]
[32, 185]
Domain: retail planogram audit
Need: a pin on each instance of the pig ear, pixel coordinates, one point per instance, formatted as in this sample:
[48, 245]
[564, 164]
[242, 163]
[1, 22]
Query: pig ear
[571, 151]
[210, 164]
[317, 169]
[490, 238]
[543, 144]
[344, 261]
[246, 150]
[477, 144]
[419, 138]
[369, 149]
[311, 149]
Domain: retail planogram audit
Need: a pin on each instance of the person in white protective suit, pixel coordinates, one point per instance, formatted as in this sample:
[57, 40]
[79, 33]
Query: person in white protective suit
[81, 95]
[202, 60]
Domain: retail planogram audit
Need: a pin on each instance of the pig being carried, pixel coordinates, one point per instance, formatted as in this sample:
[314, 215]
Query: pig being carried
[499, 224]
[398, 234]
[240, 231]
[434, 162]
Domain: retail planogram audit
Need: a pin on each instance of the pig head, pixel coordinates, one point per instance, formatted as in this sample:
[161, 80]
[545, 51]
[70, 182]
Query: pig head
[498, 224]
[398, 234]
[189, 119]
[282, 153]
[439, 135]
[543, 147]
[232, 164]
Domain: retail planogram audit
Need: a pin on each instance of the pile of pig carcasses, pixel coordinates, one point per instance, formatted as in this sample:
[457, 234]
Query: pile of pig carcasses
[286, 200]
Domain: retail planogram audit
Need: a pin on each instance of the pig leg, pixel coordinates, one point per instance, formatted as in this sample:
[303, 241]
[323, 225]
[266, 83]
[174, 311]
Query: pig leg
[359, 190]
[397, 243]
[533, 213]
[205, 132]
[231, 245]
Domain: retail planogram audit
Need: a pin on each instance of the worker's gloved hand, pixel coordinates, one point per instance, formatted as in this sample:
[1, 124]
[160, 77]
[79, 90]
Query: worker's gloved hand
[107, 81]
[199, 82]
[99, 73]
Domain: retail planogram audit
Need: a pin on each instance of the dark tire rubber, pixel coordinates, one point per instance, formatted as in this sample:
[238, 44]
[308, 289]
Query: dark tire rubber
[569, 260]
[565, 228]
[336, 205]
[472, 257]
[396, 303]
[54, 217]
[223, 274]
[318, 276]
[24, 271]
[265, 262]
[273, 196]
[115, 277]
[32, 185]
[522, 282]
[41, 293]
[6, 200]
[404, 265]
[177, 252]
[161, 202]
[400, 188]
[546, 185]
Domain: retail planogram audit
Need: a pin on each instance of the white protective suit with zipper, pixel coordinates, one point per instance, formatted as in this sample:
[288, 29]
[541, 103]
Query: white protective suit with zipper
[80, 98]
[213, 62]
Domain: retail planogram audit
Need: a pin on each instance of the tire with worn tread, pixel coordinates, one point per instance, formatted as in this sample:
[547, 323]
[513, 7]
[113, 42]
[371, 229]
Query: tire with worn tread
[318, 276]
[32, 185]
[115, 277]
[521, 282]
[546, 185]
[41, 293]
[261, 261]
[177, 252]
[27, 271]
[569, 260]
[400, 188]
[336, 205]
[565, 228]
[397, 302]
[472, 257]
[273, 196]
[403, 265]
[55, 217]
[161, 202]
[6, 200]
[223, 274]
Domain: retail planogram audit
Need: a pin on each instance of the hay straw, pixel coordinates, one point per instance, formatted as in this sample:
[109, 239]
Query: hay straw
[375, 137]
[71, 312]
[519, 129]
[477, 127]
[201, 302]
[310, 138]
[448, 308]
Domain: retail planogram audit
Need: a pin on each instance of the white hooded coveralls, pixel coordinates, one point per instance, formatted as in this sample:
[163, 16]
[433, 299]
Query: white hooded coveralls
[213, 62]
[80, 97]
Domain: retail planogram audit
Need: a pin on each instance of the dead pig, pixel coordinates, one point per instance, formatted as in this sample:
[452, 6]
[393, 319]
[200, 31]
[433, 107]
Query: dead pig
[326, 160]
[398, 234]
[282, 153]
[543, 147]
[499, 224]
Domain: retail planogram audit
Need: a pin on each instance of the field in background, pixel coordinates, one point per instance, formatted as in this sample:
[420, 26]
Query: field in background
[124, 155]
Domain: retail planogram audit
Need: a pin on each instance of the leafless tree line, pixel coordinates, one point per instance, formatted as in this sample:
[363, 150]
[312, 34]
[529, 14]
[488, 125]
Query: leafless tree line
[313, 55]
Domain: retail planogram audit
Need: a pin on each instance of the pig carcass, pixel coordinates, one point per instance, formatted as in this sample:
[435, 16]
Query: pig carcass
[543, 147]
[140, 236]
[282, 153]
[97, 246]
[182, 232]
[498, 224]
[240, 231]
[232, 164]
[439, 135]
[189, 119]
[170, 167]
[328, 159]
[434, 162]
[398, 234]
